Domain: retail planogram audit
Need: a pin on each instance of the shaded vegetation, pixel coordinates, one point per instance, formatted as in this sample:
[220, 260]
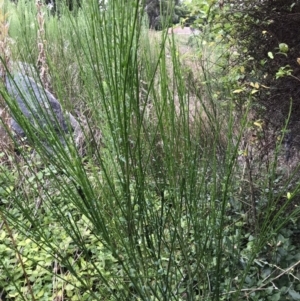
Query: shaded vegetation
[268, 43]
[170, 198]
[162, 13]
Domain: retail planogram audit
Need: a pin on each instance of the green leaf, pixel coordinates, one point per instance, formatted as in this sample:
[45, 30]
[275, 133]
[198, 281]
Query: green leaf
[284, 48]
[294, 295]
[40, 293]
[69, 287]
[275, 297]
[238, 91]
[40, 175]
[270, 55]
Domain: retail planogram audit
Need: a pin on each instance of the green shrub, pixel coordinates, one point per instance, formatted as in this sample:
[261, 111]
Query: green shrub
[159, 208]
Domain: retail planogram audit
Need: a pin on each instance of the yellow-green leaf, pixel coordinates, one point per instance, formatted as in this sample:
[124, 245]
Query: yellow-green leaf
[258, 123]
[238, 91]
[254, 85]
[270, 55]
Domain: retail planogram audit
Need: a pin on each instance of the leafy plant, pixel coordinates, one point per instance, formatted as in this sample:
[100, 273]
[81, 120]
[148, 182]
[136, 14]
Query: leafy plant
[160, 206]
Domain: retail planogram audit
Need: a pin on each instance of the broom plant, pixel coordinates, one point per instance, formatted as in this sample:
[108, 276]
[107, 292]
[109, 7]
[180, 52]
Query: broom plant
[152, 211]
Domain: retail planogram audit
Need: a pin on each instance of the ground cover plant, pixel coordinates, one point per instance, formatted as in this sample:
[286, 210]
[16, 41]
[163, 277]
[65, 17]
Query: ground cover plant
[161, 199]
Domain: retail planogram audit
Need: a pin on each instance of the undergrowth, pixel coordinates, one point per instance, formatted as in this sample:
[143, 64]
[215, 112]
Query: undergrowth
[166, 203]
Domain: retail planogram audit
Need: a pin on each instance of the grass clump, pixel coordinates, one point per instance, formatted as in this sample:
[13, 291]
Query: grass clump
[159, 207]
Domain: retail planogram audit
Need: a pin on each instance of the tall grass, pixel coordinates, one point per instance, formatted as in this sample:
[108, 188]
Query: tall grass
[152, 211]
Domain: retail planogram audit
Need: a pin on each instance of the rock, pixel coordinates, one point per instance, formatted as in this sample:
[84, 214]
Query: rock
[38, 106]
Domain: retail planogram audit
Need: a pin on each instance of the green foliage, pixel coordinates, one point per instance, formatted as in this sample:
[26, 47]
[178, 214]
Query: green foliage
[7, 179]
[283, 71]
[161, 207]
[264, 34]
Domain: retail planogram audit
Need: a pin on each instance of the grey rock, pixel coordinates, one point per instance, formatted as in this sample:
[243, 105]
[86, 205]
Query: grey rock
[38, 106]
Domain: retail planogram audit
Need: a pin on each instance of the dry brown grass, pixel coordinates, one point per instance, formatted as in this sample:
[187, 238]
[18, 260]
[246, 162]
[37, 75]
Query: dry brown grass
[196, 103]
[41, 40]
[188, 65]
[6, 143]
